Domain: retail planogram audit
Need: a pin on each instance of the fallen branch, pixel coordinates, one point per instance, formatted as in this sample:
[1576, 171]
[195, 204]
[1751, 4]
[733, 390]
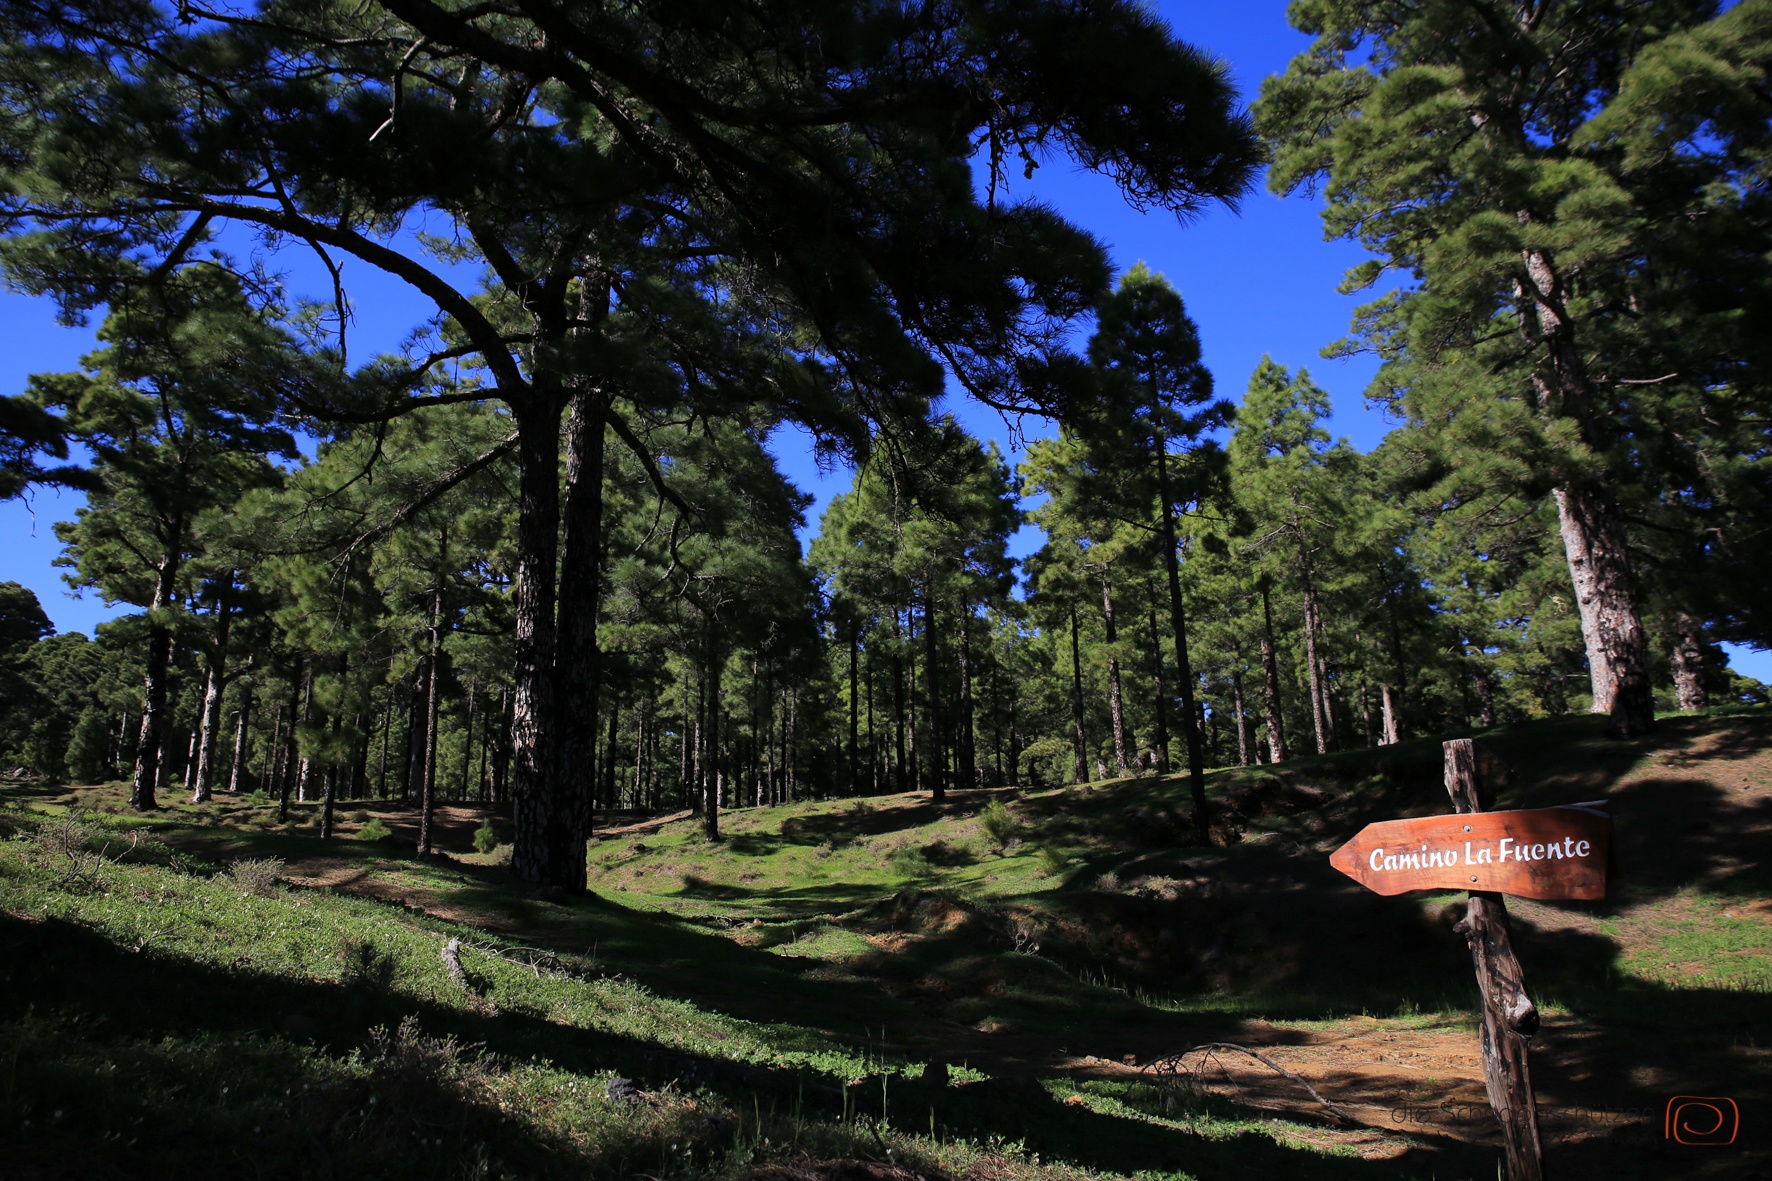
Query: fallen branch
[452, 961]
[1173, 1064]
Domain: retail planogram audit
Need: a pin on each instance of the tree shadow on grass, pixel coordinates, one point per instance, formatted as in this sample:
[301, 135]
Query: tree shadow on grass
[117, 1009]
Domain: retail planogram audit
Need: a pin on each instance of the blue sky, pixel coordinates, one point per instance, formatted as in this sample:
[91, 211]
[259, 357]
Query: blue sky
[1257, 280]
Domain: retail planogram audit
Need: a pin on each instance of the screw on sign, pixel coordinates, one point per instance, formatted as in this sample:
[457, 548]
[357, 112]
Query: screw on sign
[1545, 853]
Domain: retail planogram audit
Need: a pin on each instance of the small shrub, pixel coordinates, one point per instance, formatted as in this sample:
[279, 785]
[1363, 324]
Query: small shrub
[908, 861]
[255, 875]
[1051, 861]
[258, 796]
[998, 823]
[824, 850]
[360, 816]
[500, 855]
[485, 839]
[375, 830]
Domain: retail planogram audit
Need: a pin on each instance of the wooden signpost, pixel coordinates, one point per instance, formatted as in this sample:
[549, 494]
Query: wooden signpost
[1547, 853]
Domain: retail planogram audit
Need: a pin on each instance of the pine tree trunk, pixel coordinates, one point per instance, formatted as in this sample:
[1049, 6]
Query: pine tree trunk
[286, 757]
[710, 804]
[549, 844]
[1079, 763]
[331, 777]
[1270, 676]
[854, 711]
[1184, 670]
[237, 769]
[1242, 719]
[1588, 513]
[159, 663]
[1319, 696]
[1687, 659]
[931, 672]
[1160, 695]
[609, 768]
[578, 656]
[428, 786]
[1393, 729]
[898, 709]
[215, 684]
[1116, 707]
[967, 756]
[305, 767]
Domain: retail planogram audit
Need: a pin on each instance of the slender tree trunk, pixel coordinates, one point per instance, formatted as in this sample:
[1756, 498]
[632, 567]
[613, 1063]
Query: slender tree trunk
[428, 791]
[305, 767]
[1270, 676]
[269, 777]
[1160, 695]
[1242, 719]
[286, 757]
[238, 772]
[967, 756]
[1184, 669]
[1079, 759]
[159, 663]
[1318, 692]
[932, 673]
[1393, 731]
[1116, 708]
[215, 684]
[1687, 659]
[710, 812]
[609, 770]
[467, 747]
[332, 772]
[900, 781]
[854, 710]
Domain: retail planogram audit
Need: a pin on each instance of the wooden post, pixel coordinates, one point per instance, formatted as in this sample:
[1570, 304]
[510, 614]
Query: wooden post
[1509, 1016]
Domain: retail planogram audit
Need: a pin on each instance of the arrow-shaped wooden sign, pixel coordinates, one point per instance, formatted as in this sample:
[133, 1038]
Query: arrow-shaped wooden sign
[1535, 853]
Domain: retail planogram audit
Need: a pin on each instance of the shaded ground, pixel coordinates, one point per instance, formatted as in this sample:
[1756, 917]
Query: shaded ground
[1086, 944]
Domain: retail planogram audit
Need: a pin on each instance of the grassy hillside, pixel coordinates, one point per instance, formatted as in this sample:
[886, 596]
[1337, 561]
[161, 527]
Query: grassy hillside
[991, 987]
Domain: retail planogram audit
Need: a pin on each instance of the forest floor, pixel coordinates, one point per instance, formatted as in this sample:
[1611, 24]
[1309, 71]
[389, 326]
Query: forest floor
[995, 986]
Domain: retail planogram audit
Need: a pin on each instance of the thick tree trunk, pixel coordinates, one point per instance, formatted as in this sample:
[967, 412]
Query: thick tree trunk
[937, 773]
[549, 843]
[1116, 706]
[1687, 659]
[159, 663]
[215, 684]
[1184, 669]
[1588, 513]
[1079, 759]
[579, 658]
[1270, 677]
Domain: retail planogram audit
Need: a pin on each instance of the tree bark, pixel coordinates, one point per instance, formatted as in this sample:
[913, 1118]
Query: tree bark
[1116, 707]
[1393, 730]
[1242, 719]
[1318, 691]
[1509, 1016]
[937, 775]
[899, 779]
[215, 684]
[237, 769]
[549, 846]
[579, 657]
[1270, 676]
[1687, 659]
[1079, 763]
[159, 662]
[1184, 669]
[428, 787]
[711, 784]
[854, 709]
[1161, 697]
[967, 757]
